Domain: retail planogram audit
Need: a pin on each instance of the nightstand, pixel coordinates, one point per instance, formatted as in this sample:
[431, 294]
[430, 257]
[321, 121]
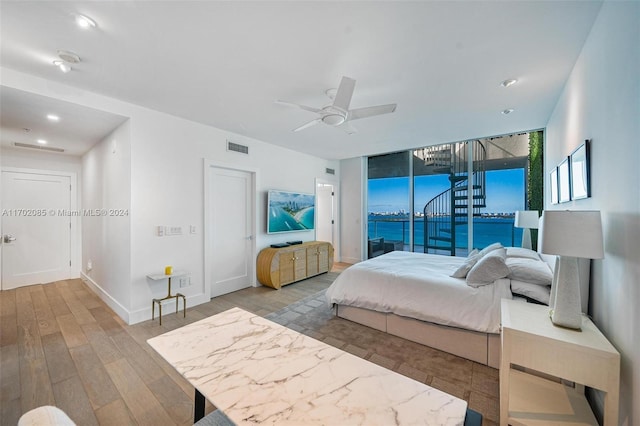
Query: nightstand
[530, 340]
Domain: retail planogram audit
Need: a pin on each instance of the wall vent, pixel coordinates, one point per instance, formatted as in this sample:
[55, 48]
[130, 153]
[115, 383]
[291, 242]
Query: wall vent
[232, 146]
[330, 171]
[40, 147]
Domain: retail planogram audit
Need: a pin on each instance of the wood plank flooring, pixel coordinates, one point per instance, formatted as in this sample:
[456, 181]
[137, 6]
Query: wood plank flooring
[61, 345]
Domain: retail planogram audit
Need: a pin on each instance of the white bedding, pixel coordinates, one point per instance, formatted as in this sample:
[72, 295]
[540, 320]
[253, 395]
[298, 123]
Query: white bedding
[418, 286]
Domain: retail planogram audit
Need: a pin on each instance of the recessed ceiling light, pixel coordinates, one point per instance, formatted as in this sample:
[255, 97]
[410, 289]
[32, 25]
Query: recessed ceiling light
[509, 82]
[42, 141]
[507, 111]
[85, 22]
[69, 57]
[53, 117]
[64, 67]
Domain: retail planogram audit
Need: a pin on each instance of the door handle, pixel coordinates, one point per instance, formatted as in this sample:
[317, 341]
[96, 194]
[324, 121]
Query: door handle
[9, 238]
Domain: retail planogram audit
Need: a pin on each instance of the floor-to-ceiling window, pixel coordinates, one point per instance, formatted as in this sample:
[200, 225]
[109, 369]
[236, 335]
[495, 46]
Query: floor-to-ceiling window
[388, 204]
[428, 199]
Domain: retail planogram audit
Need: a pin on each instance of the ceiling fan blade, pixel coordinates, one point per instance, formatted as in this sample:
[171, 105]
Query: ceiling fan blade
[344, 93]
[304, 107]
[347, 128]
[358, 113]
[309, 124]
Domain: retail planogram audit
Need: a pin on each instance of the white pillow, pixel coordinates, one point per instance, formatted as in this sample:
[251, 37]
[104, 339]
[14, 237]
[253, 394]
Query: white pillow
[464, 269]
[488, 269]
[490, 248]
[536, 292]
[522, 252]
[529, 271]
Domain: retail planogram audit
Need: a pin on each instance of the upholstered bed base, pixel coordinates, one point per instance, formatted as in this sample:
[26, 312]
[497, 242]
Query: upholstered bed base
[483, 348]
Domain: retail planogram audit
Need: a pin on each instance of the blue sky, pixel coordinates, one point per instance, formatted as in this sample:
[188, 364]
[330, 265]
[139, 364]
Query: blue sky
[505, 192]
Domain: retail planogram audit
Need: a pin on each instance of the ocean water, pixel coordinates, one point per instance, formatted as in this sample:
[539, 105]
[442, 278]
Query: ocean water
[282, 221]
[485, 231]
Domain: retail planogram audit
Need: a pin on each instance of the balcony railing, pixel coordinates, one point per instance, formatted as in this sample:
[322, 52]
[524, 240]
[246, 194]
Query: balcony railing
[486, 231]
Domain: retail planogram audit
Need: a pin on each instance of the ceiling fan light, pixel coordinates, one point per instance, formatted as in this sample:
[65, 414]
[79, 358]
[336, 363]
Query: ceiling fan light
[333, 119]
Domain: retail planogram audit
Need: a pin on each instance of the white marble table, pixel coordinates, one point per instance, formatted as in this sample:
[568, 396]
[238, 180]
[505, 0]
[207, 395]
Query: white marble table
[257, 371]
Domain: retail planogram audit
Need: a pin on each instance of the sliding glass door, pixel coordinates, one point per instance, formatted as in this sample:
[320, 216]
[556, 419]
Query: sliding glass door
[446, 198]
[388, 206]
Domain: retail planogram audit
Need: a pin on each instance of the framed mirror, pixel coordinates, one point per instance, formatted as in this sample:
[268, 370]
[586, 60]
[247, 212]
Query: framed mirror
[564, 181]
[580, 172]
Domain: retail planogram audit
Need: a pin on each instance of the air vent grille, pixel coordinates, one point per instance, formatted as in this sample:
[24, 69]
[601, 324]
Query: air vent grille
[40, 147]
[232, 146]
[330, 171]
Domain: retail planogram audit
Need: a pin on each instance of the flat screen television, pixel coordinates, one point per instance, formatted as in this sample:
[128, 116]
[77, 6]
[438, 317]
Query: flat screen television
[290, 211]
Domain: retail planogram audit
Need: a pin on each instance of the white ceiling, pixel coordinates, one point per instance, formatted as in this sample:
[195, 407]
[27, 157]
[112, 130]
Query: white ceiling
[24, 120]
[224, 63]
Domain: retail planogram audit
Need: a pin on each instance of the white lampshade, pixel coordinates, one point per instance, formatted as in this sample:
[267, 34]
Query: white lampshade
[571, 233]
[526, 219]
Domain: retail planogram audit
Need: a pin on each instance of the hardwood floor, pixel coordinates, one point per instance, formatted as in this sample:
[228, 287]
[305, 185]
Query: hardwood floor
[61, 345]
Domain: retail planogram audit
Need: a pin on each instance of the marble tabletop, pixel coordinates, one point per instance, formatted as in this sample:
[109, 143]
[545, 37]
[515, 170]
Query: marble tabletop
[257, 371]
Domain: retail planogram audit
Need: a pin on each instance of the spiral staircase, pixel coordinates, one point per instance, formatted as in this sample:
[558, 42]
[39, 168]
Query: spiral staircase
[447, 212]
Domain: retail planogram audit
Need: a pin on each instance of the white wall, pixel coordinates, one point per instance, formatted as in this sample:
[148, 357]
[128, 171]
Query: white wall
[168, 189]
[39, 160]
[106, 239]
[601, 101]
[167, 156]
[352, 230]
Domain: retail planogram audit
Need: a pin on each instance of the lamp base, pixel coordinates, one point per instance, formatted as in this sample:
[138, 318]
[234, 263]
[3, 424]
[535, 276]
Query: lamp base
[565, 294]
[526, 238]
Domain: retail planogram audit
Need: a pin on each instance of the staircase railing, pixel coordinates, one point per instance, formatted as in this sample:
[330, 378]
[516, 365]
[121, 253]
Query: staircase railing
[448, 210]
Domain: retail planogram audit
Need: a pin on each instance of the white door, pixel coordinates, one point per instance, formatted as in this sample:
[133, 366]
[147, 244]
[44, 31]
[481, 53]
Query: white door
[231, 202]
[324, 212]
[36, 230]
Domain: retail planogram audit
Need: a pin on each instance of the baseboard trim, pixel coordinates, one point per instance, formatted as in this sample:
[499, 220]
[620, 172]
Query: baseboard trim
[139, 315]
[144, 314]
[351, 260]
[106, 297]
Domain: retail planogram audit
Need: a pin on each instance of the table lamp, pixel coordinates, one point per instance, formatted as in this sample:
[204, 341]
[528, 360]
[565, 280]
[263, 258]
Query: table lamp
[569, 234]
[527, 219]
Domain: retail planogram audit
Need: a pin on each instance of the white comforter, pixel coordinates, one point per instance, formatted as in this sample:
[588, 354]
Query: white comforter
[419, 286]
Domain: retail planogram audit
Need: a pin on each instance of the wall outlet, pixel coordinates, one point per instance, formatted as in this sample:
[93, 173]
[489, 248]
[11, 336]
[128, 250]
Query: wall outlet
[89, 265]
[192, 229]
[160, 231]
[184, 282]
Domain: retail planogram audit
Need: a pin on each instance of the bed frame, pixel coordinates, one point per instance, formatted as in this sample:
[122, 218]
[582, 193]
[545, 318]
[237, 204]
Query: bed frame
[483, 348]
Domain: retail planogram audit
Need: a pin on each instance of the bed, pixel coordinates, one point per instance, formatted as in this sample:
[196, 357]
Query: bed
[415, 296]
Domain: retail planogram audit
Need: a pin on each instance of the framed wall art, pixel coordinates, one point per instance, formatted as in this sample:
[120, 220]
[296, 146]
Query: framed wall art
[580, 172]
[553, 184]
[564, 181]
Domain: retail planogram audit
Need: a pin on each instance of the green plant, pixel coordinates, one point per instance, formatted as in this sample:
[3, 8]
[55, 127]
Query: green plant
[535, 183]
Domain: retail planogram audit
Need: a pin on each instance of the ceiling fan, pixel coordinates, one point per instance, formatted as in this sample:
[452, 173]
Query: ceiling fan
[338, 113]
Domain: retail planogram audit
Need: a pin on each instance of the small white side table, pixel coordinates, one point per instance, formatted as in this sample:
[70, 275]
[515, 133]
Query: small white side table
[158, 277]
[530, 340]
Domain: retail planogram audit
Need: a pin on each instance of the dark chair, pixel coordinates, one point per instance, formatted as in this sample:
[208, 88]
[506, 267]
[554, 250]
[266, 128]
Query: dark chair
[376, 247]
[393, 246]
